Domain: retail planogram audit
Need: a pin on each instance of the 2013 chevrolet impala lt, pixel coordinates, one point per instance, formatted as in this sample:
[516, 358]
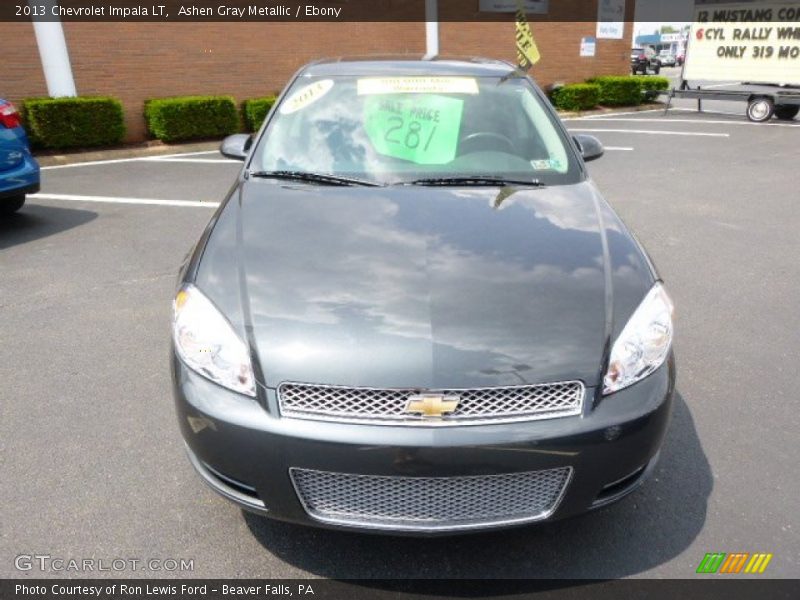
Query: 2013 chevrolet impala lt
[414, 312]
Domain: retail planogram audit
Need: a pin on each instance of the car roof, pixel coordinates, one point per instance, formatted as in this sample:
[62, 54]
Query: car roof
[409, 65]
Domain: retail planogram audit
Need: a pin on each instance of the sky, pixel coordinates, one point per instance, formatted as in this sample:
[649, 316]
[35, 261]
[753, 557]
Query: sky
[652, 14]
[648, 27]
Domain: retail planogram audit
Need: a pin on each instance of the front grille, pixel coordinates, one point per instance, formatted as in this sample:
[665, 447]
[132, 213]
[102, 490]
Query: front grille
[478, 405]
[430, 503]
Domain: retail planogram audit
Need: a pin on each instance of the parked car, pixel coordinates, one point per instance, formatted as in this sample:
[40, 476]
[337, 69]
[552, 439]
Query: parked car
[415, 312]
[19, 171]
[666, 58]
[644, 59]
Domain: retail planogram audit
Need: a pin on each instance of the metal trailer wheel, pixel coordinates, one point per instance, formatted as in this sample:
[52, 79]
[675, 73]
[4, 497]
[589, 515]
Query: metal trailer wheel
[760, 109]
[786, 112]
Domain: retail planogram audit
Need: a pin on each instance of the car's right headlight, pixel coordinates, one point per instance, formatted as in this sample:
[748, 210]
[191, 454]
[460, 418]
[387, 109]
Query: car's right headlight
[206, 342]
[644, 343]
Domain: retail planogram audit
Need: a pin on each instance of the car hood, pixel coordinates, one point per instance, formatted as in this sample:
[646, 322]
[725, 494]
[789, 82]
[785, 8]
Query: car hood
[423, 287]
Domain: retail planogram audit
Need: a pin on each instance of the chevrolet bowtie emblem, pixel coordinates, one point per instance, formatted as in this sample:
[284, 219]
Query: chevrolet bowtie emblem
[432, 405]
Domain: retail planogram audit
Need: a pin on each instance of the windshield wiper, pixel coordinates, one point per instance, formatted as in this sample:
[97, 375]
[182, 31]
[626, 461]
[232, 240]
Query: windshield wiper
[314, 177]
[477, 180]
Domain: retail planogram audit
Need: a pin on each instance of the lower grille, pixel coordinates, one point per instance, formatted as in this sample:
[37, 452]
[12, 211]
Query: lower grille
[430, 503]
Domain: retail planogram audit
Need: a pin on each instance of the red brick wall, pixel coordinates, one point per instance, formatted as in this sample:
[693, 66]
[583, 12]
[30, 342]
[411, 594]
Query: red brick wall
[558, 36]
[558, 43]
[21, 74]
[137, 61]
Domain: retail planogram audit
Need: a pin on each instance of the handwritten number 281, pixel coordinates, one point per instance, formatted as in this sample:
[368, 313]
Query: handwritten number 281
[412, 138]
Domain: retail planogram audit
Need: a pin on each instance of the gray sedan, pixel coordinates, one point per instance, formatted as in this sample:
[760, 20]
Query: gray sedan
[415, 313]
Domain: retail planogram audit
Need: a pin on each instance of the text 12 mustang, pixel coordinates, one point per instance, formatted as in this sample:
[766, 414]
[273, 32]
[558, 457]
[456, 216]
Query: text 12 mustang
[414, 312]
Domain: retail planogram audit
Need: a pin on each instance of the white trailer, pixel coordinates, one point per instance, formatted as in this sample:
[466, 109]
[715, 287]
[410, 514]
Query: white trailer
[754, 42]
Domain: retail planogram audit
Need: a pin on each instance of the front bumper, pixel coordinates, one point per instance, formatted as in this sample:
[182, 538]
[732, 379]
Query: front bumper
[244, 450]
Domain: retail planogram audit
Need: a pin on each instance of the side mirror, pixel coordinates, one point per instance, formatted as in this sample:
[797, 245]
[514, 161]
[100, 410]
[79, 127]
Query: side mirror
[590, 147]
[236, 146]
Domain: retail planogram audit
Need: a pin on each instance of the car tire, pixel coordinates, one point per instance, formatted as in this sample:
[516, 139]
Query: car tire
[786, 112]
[11, 205]
[760, 109]
[657, 70]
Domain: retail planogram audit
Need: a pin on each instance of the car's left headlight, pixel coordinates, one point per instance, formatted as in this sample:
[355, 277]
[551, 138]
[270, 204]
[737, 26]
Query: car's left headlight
[644, 343]
[206, 342]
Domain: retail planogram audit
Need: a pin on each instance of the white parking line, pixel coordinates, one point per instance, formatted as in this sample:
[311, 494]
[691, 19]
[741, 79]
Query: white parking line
[116, 200]
[619, 148]
[719, 85]
[191, 160]
[92, 163]
[652, 132]
[187, 154]
[708, 121]
[614, 114]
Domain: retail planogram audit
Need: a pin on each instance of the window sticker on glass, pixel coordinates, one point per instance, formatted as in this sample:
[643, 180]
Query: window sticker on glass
[541, 165]
[305, 96]
[417, 85]
[420, 128]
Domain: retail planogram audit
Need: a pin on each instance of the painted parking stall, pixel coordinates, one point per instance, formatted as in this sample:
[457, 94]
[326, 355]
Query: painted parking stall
[87, 251]
[167, 180]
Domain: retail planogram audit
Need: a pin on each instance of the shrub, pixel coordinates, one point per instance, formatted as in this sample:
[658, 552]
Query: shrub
[652, 85]
[255, 110]
[80, 122]
[619, 90]
[578, 96]
[191, 117]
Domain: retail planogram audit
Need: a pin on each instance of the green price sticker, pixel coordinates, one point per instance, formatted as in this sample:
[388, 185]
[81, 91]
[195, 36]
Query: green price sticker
[421, 128]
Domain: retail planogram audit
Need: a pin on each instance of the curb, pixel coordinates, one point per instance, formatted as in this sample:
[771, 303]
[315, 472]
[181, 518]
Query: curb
[611, 111]
[132, 151]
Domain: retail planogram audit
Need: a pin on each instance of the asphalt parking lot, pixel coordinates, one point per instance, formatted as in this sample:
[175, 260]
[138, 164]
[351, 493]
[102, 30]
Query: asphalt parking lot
[92, 462]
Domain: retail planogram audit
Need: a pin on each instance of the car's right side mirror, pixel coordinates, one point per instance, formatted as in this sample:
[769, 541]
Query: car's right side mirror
[236, 146]
[590, 147]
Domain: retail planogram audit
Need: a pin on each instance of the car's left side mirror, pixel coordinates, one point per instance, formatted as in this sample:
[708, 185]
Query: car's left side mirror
[590, 147]
[236, 146]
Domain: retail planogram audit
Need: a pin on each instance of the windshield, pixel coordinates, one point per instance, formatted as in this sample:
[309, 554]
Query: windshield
[392, 130]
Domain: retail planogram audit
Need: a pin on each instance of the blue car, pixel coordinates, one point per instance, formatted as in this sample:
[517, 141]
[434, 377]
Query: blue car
[19, 171]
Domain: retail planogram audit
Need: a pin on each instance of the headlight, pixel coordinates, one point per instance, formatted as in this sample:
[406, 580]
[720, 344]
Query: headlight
[643, 345]
[207, 343]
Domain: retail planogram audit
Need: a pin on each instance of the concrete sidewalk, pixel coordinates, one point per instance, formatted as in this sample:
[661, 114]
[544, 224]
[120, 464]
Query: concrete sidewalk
[133, 151]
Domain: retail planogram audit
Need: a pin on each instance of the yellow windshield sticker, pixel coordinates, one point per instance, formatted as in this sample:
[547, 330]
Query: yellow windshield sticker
[423, 129]
[305, 96]
[417, 85]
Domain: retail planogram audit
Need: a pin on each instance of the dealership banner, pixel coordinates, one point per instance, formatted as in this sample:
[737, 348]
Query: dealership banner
[610, 19]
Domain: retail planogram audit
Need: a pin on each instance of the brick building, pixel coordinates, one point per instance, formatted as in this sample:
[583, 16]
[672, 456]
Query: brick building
[136, 61]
